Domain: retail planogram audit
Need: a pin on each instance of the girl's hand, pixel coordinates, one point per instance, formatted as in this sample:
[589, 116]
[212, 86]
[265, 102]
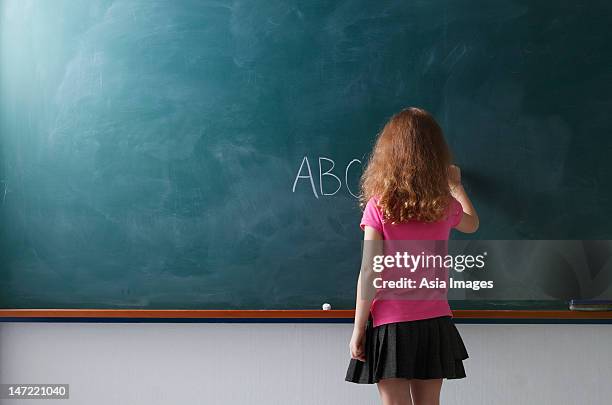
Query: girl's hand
[469, 220]
[454, 176]
[357, 345]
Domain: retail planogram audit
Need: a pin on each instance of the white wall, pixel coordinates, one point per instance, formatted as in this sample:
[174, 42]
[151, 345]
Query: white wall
[207, 363]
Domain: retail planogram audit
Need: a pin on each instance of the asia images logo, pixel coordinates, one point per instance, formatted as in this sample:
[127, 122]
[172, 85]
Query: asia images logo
[331, 179]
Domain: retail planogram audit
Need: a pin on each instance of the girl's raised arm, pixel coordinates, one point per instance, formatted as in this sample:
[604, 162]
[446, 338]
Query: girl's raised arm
[469, 221]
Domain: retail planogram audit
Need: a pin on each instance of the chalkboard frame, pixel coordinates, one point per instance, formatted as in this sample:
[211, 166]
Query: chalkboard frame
[287, 316]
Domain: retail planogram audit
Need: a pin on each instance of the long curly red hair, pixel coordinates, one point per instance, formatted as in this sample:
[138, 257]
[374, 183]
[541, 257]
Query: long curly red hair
[408, 169]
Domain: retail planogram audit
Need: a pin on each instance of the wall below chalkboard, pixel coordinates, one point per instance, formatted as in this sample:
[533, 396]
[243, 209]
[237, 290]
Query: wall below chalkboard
[171, 355]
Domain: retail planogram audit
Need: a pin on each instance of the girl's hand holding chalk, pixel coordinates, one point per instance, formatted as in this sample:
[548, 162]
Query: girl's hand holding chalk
[469, 220]
[454, 175]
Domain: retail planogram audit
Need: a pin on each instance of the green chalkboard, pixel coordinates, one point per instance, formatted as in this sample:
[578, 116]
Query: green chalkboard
[205, 154]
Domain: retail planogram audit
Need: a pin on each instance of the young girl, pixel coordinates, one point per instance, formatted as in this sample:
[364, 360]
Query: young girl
[411, 192]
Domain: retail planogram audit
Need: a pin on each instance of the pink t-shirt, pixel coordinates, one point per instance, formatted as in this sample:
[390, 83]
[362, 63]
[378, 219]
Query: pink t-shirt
[386, 310]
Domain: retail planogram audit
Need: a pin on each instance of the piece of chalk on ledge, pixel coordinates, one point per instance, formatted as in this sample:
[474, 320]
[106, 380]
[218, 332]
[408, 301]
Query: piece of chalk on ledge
[326, 307]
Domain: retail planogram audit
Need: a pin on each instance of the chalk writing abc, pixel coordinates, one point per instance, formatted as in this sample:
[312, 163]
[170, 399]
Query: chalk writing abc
[331, 179]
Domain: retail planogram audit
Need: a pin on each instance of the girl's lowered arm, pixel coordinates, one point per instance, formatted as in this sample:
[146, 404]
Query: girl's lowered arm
[372, 246]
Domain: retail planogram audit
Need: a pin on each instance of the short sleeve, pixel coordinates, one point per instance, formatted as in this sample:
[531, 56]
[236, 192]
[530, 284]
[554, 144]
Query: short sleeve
[456, 213]
[372, 216]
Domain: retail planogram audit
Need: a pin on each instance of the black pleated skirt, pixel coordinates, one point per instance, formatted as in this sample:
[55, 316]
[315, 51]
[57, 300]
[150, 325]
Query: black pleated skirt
[422, 349]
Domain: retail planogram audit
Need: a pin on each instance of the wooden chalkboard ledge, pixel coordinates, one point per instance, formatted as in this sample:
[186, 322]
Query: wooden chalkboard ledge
[178, 315]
